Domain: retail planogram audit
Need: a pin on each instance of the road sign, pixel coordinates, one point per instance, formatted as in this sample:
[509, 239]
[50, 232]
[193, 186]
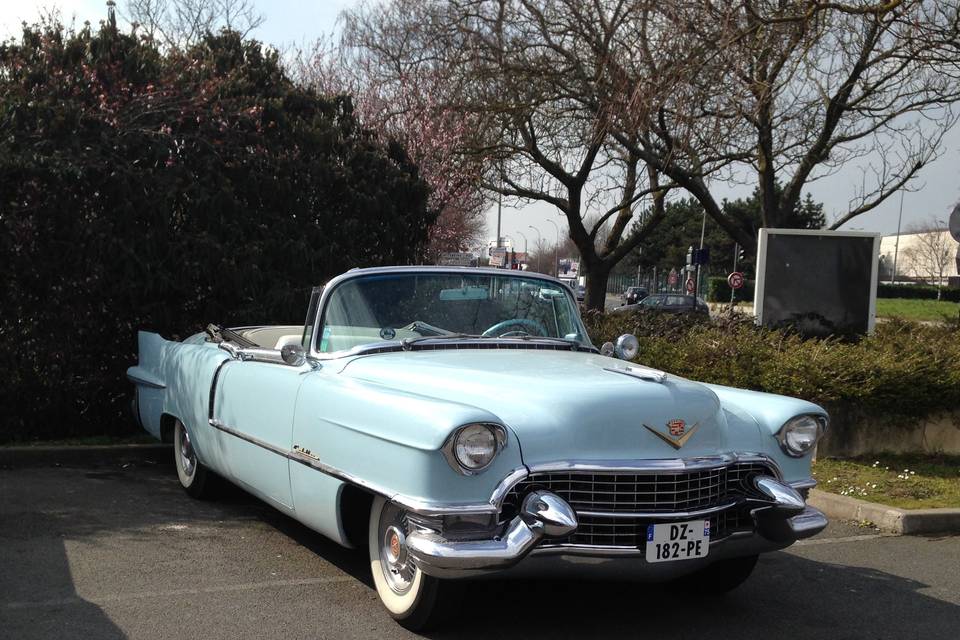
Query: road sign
[955, 223]
[690, 285]
[735, 280]
[455, 259]
[672, 279]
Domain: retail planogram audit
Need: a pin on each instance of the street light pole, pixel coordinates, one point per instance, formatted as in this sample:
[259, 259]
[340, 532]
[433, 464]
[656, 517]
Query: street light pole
[556, 249]
[538, 246]
[525, 247]
[896, 246]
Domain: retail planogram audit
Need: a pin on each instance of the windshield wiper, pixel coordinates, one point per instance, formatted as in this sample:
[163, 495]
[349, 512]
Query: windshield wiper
[406, 343]
[573, 343]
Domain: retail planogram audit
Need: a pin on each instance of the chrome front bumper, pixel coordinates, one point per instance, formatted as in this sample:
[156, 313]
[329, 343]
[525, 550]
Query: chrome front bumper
[781, 519]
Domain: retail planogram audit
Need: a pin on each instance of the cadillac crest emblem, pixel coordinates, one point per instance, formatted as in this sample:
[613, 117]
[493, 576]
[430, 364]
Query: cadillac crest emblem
[677, 432]
[676, 427]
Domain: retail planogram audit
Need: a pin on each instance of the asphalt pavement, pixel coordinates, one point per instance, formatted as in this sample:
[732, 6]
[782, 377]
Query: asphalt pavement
[118, 551]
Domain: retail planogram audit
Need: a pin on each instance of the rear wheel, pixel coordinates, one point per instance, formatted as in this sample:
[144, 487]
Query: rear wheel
[195, 478]
[415, 600]
[720, 577]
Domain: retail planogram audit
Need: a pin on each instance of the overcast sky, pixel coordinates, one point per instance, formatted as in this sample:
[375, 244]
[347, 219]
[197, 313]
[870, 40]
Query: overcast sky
[290, 22]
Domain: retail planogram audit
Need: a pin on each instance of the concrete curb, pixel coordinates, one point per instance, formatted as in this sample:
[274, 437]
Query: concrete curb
[902, 521]
[99, 455]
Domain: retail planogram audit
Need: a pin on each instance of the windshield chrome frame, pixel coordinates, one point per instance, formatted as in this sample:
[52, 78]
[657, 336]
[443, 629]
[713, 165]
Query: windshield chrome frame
[331, 286]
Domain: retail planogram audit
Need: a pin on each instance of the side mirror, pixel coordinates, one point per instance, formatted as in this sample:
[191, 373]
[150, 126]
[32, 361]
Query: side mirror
[293, 354]
[627, 347]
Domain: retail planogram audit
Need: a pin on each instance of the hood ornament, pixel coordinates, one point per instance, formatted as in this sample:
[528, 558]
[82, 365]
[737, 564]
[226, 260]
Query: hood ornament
[677, 432]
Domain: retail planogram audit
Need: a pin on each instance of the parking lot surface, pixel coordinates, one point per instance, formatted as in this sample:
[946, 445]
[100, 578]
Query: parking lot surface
[122, 552]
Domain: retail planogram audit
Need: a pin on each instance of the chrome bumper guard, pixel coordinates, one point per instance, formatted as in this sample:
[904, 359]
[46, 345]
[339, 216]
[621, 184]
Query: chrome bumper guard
[543, 515]
[781, 515]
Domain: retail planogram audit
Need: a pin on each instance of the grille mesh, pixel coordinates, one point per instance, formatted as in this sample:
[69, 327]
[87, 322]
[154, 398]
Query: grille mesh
[615, 495]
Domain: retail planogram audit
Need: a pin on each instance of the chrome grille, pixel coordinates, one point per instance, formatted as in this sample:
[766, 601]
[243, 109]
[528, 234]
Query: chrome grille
[604, 501]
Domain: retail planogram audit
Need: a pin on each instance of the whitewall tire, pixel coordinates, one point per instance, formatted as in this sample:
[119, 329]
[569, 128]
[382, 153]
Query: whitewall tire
[195, 478]
[415, 600]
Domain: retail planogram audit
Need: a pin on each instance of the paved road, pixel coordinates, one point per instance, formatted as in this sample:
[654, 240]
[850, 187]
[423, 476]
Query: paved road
[113, 552]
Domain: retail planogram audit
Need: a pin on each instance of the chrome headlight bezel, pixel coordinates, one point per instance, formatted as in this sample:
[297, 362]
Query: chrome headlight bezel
[499, 434]
[819, 424]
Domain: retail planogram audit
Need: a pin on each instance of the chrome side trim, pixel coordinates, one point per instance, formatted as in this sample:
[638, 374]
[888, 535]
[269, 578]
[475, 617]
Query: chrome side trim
[409, 503]
[800, 485]
[216, 424]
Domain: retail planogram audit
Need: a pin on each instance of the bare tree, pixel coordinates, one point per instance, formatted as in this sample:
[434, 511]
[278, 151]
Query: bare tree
[931, 252]
[602, 108]
[785, 93]
[183, 22]
[521, 69]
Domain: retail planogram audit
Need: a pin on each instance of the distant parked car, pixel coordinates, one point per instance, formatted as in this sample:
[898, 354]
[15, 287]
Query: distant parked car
[581, 292]
[669, 303]
[633, 295]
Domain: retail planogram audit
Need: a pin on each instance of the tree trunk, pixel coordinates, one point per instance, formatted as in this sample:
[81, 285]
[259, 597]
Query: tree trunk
[596, 286]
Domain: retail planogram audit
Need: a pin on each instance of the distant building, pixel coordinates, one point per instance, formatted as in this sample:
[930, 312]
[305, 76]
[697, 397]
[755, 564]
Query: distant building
[919, 257]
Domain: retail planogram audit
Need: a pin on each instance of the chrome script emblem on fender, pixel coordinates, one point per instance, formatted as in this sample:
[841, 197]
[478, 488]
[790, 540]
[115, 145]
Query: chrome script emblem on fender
[678, 433]
[305, 452]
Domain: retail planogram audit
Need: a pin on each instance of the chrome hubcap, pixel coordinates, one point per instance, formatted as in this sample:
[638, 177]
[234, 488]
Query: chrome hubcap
[398, 570]
[188, 458]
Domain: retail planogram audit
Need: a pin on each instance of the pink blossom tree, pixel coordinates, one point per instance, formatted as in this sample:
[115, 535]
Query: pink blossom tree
[410, 108]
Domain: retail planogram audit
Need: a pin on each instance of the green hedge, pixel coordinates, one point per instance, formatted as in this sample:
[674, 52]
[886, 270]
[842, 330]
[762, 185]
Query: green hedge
[916, 291]
[719, 291]
[903, 368]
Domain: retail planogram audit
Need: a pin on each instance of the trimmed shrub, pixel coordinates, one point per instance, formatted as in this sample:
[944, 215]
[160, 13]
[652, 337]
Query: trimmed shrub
[719, 291]
[162, 190]
[904, 368]
[916, 291]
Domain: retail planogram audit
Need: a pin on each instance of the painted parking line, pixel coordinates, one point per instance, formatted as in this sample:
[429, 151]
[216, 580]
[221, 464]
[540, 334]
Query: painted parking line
[869, 536]
[122, 597]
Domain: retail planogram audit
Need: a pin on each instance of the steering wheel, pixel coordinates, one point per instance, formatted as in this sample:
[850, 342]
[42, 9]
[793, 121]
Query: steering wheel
[533, 325]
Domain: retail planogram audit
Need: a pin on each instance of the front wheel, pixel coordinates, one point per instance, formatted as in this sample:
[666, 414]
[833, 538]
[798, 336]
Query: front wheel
[195, 478]
[415, 600]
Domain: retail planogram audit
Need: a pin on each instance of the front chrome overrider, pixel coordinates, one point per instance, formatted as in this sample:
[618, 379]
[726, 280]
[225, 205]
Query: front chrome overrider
[543, 515]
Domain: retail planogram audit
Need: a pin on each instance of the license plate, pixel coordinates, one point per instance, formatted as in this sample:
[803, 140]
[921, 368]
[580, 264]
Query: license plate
[678, 541]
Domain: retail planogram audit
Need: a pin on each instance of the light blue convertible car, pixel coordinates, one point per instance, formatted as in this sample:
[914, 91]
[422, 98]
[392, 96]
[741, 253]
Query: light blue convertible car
[459, 423]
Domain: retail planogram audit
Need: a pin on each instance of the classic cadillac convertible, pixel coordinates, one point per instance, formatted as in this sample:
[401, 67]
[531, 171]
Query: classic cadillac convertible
[459, 423]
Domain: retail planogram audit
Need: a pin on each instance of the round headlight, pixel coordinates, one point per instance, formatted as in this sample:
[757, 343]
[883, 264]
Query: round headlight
[475, 446]
[799, 435]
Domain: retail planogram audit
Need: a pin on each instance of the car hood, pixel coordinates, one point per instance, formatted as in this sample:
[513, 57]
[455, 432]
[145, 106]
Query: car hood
[561, 405]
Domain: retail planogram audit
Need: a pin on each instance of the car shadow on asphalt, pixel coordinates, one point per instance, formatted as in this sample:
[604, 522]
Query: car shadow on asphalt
[789, 596]
[36, 582]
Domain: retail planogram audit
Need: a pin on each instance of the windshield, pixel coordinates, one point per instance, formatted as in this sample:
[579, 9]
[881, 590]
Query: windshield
[407, 306]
